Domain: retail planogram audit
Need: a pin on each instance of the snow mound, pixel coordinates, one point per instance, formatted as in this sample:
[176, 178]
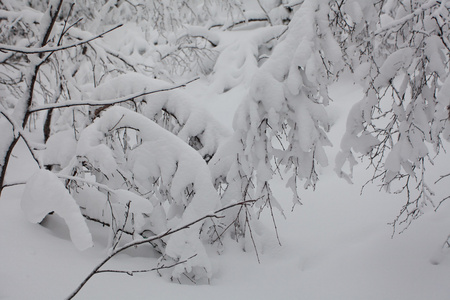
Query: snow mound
[44, 193]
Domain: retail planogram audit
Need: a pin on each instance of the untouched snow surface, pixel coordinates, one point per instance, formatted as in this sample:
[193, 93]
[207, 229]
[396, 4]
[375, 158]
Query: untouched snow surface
[336, 246]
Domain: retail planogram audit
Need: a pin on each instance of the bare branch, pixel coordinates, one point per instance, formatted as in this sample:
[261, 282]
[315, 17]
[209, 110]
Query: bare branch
[244, 21]
[131, 273]
[23, 50]
[151, 239]
[107, 102]
[53, 15]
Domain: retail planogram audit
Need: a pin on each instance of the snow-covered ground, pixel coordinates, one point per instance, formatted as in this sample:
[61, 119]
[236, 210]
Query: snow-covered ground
[336, 246]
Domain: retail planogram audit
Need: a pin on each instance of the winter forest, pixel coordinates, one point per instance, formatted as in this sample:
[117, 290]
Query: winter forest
[235, 149]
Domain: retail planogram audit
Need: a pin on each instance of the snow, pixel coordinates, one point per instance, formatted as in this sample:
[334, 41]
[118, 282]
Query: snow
[44, 193]
[337, 245]
[27, 14]
[160, 155]
[434, 52]
[400, 59]
[60, 148]
[354, 10]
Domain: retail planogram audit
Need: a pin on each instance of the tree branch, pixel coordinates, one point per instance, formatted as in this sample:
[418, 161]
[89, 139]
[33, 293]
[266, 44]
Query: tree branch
[106, 102]
[53, 49]
[53, 15]
[131, 273]
[408, 17]
[134, 243]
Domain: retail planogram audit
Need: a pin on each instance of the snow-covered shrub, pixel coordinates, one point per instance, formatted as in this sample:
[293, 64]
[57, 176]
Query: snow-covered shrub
[402, 63]
[131, 150]
[176, 110]
[140, 169]
[158, 182]
[282, 121]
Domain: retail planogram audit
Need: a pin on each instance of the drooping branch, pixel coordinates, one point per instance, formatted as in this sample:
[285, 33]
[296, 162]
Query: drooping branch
[169, 232]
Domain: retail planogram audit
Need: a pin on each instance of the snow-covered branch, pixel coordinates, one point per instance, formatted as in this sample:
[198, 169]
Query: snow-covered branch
[420, 10]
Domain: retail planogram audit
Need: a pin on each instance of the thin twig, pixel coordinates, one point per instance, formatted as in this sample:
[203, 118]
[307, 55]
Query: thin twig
[162, 267]
[247, 220]
[274, 223]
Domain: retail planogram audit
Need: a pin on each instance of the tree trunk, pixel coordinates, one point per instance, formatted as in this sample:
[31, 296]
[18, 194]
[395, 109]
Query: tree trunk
[21, 111]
